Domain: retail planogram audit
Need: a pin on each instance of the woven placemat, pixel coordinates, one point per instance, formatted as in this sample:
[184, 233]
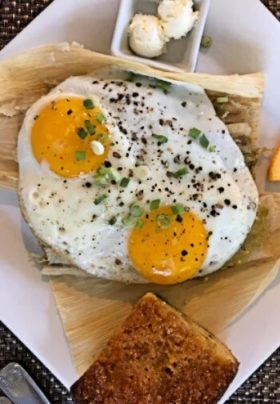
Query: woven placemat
[12, 350]
[15, 15]
[262, 387]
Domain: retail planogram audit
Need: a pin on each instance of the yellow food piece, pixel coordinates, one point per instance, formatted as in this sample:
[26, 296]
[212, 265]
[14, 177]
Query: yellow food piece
[171, 254]
[274, 169]
[55, 138]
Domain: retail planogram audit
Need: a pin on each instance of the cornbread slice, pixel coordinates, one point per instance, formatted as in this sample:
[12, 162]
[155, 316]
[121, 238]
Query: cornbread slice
[158, 356]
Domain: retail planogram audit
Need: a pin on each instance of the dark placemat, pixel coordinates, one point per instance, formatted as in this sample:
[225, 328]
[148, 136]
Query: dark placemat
[12, 350]
[15, 15]
[262, 387]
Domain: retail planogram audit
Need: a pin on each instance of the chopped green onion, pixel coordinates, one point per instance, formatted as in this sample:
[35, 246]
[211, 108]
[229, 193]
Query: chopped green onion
[211, 149]
[163, 221]
[114, 174]
[180, 173]
[127, 220]
[162, 85]
[90, 127]
[136, 210]
[139, 224]
[194, 133]
[113, 220]
[178, 209]
[88, 104]
[100, 199]
[204, 142]
[100, 117]
[160, 138]
[155, 204]
[104, 175]
[124, 182]
[103, 170]
[206, 41]
[222, 100]
[82, 133]
[100, 180]
[80, 155]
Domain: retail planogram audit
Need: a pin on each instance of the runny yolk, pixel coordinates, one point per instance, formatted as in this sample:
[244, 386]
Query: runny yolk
[168, 254]
[60, 137]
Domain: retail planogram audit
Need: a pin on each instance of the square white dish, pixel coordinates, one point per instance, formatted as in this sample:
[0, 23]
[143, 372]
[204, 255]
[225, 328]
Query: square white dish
[181, 54]
[27, 305]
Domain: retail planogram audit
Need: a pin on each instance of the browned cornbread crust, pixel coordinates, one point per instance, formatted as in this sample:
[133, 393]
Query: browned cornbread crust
[158, 356]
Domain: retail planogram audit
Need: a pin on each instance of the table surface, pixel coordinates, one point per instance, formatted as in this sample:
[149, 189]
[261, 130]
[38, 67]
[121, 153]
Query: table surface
[262, 387]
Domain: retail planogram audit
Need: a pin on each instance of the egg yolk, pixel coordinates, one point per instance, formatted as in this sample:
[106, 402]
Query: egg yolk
[168, 248]
[62, 134]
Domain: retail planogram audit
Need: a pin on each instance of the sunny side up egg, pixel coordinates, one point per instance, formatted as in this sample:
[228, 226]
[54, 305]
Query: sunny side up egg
[133, 181]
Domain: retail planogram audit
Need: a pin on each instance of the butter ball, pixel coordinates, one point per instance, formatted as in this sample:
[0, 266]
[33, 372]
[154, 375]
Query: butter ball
[146, 36]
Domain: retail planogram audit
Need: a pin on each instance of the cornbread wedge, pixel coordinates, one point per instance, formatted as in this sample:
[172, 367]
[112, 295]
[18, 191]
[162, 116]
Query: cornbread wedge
[158, 356]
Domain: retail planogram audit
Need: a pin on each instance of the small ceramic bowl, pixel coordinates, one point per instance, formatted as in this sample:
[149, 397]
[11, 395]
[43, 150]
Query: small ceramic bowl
[181, 54]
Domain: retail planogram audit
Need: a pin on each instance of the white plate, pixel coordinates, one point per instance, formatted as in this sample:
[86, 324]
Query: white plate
[246, 39]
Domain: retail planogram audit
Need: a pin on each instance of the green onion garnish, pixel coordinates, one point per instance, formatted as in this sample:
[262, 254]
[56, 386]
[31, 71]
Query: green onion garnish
[100, 199]
[155, 204]
[212, 149]
[127, 220]
[204, 142]
[194, 133]
[104, 175]
[103, 170]
[82, 133]
[112, 220]
[90, 127]
[162, 85]
[139, 224]
[160, 138]
[100, 180]
[88, 104]
[80, 155]
[100, 117]
[180, 173]
[136, 210]
[114, 175]
[124, 182]
[163, 221]
[178, 209]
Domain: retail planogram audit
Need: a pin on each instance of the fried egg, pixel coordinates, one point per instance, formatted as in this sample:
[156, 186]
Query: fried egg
[133, 180]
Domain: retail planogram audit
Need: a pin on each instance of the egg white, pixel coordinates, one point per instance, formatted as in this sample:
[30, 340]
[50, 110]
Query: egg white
[51, 204]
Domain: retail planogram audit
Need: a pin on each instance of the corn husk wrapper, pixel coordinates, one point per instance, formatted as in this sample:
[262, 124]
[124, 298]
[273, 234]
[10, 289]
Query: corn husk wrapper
[27, 76]
[92, 309]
